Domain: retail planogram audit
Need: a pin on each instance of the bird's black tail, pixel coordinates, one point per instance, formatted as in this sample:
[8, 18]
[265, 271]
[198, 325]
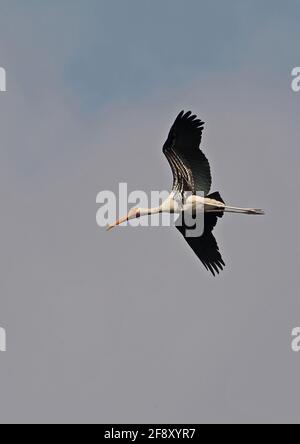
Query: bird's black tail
[217, 196]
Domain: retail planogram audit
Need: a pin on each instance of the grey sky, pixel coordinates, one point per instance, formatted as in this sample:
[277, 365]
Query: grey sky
[126, 326]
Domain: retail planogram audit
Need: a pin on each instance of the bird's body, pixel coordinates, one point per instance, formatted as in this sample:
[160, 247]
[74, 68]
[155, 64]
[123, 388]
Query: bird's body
[190, 193]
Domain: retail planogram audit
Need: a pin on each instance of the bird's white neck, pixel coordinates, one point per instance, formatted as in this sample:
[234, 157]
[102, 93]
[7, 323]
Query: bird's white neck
[170, 205]
[149, 211]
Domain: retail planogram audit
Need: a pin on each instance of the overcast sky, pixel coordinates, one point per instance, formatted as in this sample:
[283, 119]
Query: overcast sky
[127, 326]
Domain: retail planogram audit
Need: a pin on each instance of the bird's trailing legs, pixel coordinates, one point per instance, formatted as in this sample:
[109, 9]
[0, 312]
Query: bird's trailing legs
[243, 210]
[213, 205]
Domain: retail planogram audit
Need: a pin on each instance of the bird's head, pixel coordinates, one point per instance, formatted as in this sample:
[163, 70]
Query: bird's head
[134, 213]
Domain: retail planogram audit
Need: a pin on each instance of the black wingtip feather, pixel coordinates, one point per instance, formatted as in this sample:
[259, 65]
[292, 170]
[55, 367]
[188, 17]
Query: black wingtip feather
[190, 118]
[206, 247]
[184, 140]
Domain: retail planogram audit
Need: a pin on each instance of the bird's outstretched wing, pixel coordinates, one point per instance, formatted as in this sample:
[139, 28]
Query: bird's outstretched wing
[206, 247]
[190, 167]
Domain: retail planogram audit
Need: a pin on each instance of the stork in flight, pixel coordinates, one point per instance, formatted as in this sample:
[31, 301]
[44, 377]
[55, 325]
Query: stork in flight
[191, 175]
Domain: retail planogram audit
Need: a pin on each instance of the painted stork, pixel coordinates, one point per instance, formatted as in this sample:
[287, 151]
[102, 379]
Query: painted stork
[191, 175]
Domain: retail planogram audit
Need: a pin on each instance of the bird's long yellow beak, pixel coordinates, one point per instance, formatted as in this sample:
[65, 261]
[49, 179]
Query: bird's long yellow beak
[118, 222]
